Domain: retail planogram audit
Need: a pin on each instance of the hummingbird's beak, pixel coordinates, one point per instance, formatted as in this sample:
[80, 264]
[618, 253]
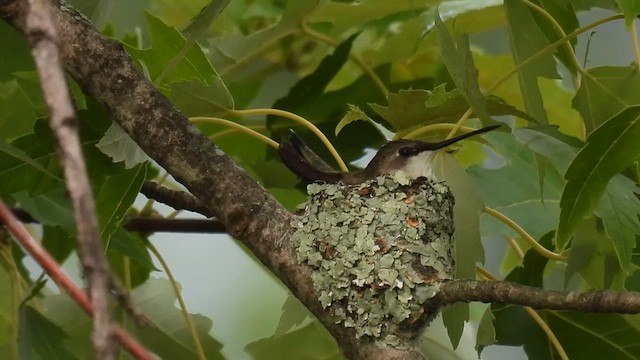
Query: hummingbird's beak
[453, 140]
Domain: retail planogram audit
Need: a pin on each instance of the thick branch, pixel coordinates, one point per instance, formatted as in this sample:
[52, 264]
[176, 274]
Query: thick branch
[41, 31]
[502, 292]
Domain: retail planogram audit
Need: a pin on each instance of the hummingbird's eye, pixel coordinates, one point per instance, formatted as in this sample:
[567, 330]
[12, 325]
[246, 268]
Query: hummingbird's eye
[406, 151]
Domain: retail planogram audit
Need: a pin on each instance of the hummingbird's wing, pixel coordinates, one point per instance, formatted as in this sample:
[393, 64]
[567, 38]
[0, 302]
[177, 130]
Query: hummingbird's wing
[302, 161]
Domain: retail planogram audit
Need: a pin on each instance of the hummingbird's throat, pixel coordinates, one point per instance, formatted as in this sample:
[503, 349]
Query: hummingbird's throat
[420, 165]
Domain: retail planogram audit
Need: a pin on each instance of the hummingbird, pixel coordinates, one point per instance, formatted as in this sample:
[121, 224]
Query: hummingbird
[413, 157]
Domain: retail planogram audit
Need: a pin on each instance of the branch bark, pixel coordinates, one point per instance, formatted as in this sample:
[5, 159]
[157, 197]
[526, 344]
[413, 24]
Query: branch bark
[42, 34]
[503, 292]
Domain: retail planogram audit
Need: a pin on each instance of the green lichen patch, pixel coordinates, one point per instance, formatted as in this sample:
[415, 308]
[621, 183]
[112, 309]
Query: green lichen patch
[377, 251]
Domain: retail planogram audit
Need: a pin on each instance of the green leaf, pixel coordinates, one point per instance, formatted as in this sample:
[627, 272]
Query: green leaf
[296, 345]
[293, 314]
[119, 146]
[52, 209]
[236, 49]
[610, 149]
[354, 114]
[630, 8]
[409, 109]
[619, 206]
[512, 189]
[309, 88]
[606, 91]
[18, 116]
[39, 335]
[18, 154]
[195, 98]
[167, 42]
[129, 257]
[468, 247]
[594, 256]
[565, 16]
[29, 163]
[168, 337]
[457, 57]
[527, 39]
[205, 18]
[117, 194]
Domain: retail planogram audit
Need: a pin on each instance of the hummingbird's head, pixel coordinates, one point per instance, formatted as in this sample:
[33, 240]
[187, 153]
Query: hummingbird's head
[413, 157]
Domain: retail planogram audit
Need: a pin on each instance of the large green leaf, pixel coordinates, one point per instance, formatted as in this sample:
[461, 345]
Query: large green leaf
[296, 345]
[610, 149]
[115, 197]
[18, 116]
[527, 39]
[606, 91]
[412, 108]
[565, 16]
[457, 57]
[119, 146]
[512, 189]
[619, 206]
[468, 247]
[38, 335]
[236, 49]
[168, 336]
[630, 8]
[594, 257]
[167, 42]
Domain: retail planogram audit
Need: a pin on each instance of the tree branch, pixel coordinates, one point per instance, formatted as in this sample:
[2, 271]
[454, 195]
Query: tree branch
[42, 34]
[503, 292]
[152, 225]
[178, 200]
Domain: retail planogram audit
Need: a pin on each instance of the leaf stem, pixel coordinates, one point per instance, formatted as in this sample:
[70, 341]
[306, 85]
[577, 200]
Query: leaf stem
[354, 57]
[515, 247]
[533, 58]
[560, 31]
[234, 125]
[300, 120]
[534, 315]
[636, 46]
[525, 235]
[183, 307]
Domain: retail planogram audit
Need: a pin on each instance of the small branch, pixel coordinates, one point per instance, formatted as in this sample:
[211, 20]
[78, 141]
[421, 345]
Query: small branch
[42, 257]
[153, 225]
[42, 34]
[178, 200]
[503, 292]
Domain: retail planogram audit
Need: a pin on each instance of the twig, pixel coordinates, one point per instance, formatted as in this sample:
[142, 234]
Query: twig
[178, 200]
[503, 292]
[44, 39]
[42, 257]
[152, 225]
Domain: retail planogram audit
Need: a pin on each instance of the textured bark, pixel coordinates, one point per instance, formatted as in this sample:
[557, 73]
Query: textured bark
[502, 292]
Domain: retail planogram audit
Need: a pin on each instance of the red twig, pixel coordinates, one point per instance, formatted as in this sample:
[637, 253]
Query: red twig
[42, 257]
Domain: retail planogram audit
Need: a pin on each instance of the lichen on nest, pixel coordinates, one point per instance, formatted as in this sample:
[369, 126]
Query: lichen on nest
[377, 251]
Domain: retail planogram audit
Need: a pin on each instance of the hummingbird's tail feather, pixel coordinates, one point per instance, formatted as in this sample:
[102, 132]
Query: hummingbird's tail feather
[302, 161]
